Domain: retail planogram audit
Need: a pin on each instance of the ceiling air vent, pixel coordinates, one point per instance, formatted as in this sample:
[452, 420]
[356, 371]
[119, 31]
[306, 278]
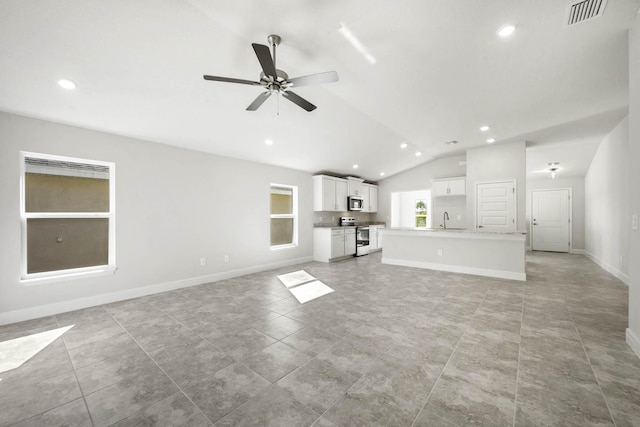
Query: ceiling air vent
[582, 10]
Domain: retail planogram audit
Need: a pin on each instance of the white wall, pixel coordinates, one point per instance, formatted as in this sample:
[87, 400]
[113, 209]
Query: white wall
[633, 333]
[502, 162]
[404, 214]
[173, 206]
[607, 203]
[418, 178]
[577, 205]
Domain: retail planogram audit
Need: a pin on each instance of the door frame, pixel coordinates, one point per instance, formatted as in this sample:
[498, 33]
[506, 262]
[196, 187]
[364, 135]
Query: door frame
[570, 215]
[515, 200]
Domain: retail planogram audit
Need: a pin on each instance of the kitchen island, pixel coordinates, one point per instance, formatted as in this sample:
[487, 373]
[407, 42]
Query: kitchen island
[483, 253]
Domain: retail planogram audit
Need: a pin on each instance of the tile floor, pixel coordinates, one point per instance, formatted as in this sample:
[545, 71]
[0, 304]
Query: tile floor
[392, 346]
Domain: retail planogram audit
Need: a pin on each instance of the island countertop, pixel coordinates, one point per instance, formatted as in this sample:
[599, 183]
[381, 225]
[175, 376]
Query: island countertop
[455, 233]
[484, 253]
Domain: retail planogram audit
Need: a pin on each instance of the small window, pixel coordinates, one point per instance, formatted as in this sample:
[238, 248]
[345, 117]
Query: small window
[421, 213]
[67, 216]
[284, 216]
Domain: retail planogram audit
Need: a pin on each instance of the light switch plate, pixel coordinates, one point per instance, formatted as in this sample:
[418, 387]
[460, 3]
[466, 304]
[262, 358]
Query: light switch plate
[634, 221]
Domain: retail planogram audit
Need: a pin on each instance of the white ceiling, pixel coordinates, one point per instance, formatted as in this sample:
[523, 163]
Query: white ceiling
[441, 72]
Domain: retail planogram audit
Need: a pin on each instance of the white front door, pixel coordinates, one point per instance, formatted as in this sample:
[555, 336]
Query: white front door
[550, 220]
[496, 206]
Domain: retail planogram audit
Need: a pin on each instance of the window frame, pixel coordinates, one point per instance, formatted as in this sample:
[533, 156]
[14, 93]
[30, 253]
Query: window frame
[58, 275]
[293, 215]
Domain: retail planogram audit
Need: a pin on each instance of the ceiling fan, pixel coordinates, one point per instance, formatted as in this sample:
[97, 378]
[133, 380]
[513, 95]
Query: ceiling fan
[277, 81]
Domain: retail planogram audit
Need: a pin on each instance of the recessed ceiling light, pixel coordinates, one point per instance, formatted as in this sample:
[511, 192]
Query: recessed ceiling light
[484, 128]
[491, 140]
[403, 145]
[506, 30]
[381, 173]
[418, 154]
[268, 142]
[355, 166]
[66, 84]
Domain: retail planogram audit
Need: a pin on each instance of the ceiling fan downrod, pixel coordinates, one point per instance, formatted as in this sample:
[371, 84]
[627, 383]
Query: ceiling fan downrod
[274, 40]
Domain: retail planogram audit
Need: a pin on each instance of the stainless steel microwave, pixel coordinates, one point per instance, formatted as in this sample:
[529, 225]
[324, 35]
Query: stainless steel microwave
[356, 203]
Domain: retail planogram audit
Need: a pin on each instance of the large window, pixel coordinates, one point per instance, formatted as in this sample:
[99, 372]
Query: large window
[284, 216]
[67, 216]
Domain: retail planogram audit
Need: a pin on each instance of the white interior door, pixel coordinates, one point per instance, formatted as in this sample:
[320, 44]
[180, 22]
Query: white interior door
[550, 220]
[496, 206]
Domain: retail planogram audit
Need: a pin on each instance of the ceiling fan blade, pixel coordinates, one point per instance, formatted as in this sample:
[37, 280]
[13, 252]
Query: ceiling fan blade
[266, 62]
[230, 80]
[258, 101]
[296, 99]
[314, 79]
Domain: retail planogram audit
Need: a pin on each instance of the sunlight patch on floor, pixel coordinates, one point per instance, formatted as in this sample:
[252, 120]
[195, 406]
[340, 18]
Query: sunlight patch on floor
[304, 286]
[15, 352]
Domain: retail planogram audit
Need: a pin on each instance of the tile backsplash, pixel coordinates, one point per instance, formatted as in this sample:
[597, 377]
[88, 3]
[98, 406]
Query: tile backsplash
[334, 217]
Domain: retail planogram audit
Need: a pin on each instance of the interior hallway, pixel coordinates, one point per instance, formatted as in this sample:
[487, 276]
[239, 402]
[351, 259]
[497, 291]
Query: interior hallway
[392, 346]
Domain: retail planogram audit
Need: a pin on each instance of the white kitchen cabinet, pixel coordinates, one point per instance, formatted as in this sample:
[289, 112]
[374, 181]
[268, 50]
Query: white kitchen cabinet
[449, 187]
[371, 201]
[330, 244]
[329, 194]
[356, 186]
[375, 237]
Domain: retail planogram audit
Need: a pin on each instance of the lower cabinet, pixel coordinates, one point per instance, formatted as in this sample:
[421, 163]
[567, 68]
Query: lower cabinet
[330, 244]
[375, 238]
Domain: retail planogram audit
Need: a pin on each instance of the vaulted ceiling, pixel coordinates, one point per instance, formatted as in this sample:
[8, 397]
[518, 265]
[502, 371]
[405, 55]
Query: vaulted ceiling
[440, 72]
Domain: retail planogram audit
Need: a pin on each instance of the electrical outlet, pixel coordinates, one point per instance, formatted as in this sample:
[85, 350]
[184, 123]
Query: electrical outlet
[226, 258]
[634, 222]
[320, 219]
[440, 252]
[621, 260]
[203, 262]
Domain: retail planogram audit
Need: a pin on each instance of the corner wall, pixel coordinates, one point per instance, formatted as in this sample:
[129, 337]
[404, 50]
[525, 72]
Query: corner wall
[173, 207]
[606, 187]
[502, 162]
[633, 333]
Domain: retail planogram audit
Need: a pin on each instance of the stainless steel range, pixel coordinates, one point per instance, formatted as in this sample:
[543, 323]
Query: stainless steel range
[362, 234]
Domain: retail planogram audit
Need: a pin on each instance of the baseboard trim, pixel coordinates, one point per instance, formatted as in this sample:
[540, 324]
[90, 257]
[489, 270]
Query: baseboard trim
[633, 342]
[501, 274]
[578, 251]
[80, 303]
[608, 267]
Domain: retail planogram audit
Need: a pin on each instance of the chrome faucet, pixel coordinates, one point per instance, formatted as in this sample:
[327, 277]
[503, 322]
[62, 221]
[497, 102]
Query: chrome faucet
[445, 217]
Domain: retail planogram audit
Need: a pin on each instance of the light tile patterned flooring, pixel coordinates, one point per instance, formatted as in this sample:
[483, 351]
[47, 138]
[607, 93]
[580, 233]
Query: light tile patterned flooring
[392, 346]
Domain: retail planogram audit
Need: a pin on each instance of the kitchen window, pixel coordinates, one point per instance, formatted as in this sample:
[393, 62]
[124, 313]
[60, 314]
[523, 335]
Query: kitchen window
[284, 216]
[67, 213]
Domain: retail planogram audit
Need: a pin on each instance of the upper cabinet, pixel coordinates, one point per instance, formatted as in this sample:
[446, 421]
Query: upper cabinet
[370, 197]
[449, 187]
[356, 186]
[329, 194]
